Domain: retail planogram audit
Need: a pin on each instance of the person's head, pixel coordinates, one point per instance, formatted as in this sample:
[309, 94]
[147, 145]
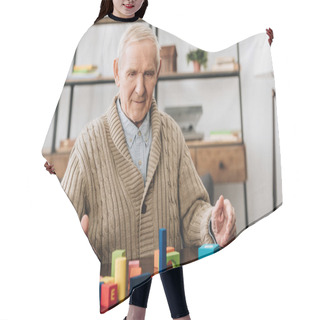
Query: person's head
[136, 70]
[116, 6]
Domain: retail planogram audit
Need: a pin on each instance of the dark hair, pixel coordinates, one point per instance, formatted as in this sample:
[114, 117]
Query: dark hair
[106, 7]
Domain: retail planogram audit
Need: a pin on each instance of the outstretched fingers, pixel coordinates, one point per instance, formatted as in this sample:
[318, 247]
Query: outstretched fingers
[230, 222]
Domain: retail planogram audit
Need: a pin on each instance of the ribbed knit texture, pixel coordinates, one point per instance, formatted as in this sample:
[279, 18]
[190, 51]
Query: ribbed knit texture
[102, 181]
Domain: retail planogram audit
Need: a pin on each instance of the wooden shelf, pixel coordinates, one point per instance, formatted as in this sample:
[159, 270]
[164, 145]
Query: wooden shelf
[163, 77]
[209, 143]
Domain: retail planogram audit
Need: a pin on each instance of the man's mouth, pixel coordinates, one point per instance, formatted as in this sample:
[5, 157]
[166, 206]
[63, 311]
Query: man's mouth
[140, 101]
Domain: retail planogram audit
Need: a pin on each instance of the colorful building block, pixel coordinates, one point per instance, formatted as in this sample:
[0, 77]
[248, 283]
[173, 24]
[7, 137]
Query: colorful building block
[162, 249]
[156, 256]
[207, 249]
[107, 279]
[120, 276]
[133, 264]
[101, 283]
[174, 257]
[134, 272]
[138, 280]
[116, 254]
[109, 296]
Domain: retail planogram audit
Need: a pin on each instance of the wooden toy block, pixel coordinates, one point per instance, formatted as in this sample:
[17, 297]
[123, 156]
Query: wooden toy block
[207, 249]
[162, 249]
[101, 283]
[156, 256]
[109, 296]
[138, 280]
[107, 279]
[133, 264]
[120, 276]
[134, 272]
[116, 254]
[174, 257]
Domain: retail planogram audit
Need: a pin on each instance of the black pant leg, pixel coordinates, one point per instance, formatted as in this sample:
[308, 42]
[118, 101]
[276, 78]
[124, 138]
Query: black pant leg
[172, 281]
[139, 296]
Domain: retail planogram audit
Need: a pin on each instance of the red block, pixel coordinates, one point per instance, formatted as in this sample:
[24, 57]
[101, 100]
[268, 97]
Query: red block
[109, 296]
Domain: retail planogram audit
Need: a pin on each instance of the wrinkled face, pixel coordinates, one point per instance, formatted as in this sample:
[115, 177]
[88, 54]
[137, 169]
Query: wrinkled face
[136, 76]
[126, 8]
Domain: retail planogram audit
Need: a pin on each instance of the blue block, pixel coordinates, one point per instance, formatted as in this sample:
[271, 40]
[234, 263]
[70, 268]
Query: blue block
[162, 249]
[101, 283]
[207, 249]
[138, 280]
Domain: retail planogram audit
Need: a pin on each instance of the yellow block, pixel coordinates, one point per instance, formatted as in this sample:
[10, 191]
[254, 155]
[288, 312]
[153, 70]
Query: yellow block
[107, 279]
[120, 277]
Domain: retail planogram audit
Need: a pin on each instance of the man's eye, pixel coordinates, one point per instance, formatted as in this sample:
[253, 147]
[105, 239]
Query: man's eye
[132, 74]
[149, 74]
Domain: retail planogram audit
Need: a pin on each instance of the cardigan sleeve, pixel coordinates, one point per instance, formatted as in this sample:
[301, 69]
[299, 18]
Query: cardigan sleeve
[195, 207]
[73, 183]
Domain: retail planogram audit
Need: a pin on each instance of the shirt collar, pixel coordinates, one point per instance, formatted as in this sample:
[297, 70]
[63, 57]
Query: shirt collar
[131, 130]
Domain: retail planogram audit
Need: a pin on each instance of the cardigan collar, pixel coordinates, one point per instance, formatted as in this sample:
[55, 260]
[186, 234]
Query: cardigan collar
[130, 173]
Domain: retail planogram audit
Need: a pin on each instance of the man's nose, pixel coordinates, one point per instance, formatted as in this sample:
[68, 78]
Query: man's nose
[140, 85]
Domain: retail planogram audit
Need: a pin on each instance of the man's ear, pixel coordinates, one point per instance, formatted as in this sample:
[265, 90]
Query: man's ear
[159, 69]
[116, 71]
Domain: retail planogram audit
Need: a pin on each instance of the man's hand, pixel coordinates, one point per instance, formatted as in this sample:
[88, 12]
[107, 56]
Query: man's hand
[223, 222]
[85, 224]
[85, 227]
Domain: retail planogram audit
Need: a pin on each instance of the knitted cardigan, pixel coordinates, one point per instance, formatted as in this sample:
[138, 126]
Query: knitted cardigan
[102, 181]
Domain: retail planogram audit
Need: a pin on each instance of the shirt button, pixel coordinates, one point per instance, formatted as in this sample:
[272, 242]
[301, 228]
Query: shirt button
[139, 133]
[140, 162]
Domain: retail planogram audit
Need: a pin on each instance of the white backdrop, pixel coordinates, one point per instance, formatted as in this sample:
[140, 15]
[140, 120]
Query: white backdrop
[47, 267]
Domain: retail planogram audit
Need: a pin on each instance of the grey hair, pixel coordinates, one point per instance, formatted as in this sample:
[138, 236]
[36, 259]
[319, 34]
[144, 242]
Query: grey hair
[138, 32]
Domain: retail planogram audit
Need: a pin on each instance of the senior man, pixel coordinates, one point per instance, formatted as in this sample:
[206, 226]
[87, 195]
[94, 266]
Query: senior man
[130, 173]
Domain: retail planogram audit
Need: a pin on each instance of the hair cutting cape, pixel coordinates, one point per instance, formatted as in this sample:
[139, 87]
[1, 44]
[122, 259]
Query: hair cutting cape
[214, 131]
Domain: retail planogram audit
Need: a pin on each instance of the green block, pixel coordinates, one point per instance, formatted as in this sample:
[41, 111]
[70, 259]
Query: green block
[174, 257]
[116, 254]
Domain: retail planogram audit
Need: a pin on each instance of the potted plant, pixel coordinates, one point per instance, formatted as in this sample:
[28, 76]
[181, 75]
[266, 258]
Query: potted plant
[199, 58]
